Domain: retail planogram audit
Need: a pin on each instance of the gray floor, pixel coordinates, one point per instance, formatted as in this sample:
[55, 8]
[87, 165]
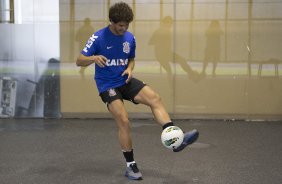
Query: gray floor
[77, 151]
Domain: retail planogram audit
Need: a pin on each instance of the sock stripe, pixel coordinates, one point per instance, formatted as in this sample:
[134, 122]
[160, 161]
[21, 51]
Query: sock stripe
[167, 125]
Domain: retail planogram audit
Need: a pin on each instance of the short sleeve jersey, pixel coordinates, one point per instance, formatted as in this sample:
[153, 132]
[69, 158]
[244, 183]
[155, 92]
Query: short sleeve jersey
[117, 49]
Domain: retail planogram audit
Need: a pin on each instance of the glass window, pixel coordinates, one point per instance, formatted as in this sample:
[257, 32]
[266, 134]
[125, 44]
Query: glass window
[6, 11]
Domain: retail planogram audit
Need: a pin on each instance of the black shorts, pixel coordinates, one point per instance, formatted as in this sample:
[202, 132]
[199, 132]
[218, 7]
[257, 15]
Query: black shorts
[126, 92]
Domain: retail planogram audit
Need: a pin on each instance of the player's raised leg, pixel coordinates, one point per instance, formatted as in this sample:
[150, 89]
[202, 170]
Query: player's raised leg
[152, 99]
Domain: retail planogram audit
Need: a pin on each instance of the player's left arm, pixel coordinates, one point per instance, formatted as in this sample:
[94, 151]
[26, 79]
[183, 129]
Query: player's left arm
[129, 69]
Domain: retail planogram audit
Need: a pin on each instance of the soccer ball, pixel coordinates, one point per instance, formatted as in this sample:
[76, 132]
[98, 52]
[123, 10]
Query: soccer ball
[172, 137]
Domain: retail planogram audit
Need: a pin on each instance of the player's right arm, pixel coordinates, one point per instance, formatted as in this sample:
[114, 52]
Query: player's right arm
[84, 61]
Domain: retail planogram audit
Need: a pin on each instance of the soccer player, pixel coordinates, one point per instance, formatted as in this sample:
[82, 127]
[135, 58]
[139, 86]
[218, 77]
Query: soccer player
[112, 49]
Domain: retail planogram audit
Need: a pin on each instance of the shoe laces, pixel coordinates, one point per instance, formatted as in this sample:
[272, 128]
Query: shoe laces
[134, 168]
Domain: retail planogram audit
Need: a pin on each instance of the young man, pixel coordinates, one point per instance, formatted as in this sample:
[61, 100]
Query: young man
[112, 49]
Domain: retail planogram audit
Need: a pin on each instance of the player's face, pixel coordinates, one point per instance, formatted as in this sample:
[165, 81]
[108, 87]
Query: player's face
[119, 28]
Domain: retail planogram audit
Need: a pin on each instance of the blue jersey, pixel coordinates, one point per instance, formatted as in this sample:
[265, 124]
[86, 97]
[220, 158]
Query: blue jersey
[117, 49]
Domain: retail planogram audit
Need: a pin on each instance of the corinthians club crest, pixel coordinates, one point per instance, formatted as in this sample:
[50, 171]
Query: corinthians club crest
[112, 92]
[126, 47]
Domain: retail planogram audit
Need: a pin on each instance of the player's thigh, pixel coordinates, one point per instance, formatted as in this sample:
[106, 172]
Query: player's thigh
[146, 96]
[117, 109]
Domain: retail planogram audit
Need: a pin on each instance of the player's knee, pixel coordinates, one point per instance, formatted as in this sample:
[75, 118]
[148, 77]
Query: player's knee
[156, 99]
[123, 122]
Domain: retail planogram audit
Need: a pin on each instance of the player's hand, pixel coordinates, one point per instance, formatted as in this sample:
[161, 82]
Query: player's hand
[100, 60]
[129, 73]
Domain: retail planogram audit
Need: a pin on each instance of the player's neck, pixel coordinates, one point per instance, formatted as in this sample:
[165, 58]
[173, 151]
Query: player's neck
[113, 30]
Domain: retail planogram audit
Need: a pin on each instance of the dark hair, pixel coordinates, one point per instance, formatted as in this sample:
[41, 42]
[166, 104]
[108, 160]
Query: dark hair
[120, 12]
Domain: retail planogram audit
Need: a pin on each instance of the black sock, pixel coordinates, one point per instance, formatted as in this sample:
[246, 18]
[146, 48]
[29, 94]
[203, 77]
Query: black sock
[167, 125]
[128, 155]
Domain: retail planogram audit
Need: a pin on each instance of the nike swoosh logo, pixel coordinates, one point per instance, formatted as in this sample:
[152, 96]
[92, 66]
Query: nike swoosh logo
[109, 47]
